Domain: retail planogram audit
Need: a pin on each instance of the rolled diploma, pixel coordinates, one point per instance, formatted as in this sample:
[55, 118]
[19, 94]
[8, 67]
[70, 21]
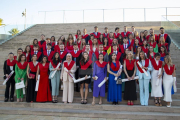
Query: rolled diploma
[74, 38]
[174, 84]
[81, 79]
[37, 83]
[96, 77]
[142, 69]
[124, 80]
[55, 70]
[118, 72]
[158, 80]
[69, 74]
[102, 83]
[8, 77]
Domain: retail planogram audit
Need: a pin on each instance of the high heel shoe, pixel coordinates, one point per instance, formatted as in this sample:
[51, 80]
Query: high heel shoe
[159, 101]
[156, 102]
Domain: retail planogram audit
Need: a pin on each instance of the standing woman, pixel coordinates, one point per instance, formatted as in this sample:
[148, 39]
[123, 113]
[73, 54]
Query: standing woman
[27, 53]
[145, 47]
[107, 47]
[168, 77]
[111, 37]
[95, 45]
[151, 53]
[57, 47]
[114, 90]
[55, 80]
[120, 39]
[143, 79]
[44, 93]
[69, 46]
[77, 34]
[20, 75]
[101, 38]
[136, 56]
[32, 67]
[83, 45]
[130, 86]
[35, 42]
[153, 43]
[68, 83]
[162, 42]
[85, 70]
[100, 70]
[142, 38]
[135, 46]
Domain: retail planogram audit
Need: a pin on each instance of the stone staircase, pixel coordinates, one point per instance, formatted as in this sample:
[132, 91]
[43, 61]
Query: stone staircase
[76, 109]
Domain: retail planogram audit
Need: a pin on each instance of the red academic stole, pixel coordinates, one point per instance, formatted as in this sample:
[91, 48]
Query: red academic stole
[156, 67]
[9, 63]
[62, 55]
[54, 66]
[165, 36]
[38, 54]
[110, 41]
[85, 36]
[100, 42]
[39, 43]
[150, 57]
[146, 65]
[32, 67]
[15, 57]
[56, 48]
[127, 33]
[101, 65]
[22, 66]
[145, 49]
[76, 36]
[122, 48]
[105, 35]
[98, 35]
[50, 55]
[154, 44]
[85, 66]
[97, 54]
[77, 54]
[113, 66]
[167, 70]
[70, 47]
[116, 36]
[70, 65]
[118, 55]
[163, 54]
[129, 65]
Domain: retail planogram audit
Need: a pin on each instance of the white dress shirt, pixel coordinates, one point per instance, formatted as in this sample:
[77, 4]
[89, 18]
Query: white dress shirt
[125, 46]
[48, 52]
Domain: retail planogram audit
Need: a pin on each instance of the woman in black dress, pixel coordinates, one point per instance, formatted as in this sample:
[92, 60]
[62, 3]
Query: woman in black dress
[31, 73]
[85, 69]
[130, 86]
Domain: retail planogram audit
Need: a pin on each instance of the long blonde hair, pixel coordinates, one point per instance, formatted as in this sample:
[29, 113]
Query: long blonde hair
[131, 55]
[169, 60]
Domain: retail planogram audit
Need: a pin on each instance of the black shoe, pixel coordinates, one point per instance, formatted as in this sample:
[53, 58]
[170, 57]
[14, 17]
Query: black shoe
[6, 100]
[12, 99]
[113, 103]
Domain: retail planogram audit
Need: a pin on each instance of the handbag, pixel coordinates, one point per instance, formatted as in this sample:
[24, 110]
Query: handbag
[20, 85]
[31, 75]
[119, 81]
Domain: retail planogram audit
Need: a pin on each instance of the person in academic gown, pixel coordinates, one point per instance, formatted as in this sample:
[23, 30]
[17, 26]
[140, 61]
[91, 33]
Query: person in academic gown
[114, 90]
[156, 90]
[62, 53]
[27, 53]
[76, 56]
[85, 70]
[39, 54]
[9, 66]
[116, 34]
[42, 42]
[130, 42]
[118, 54]
[68, 83]
[161, 43]
[20, 75]
[143, 79]
[124, 45]
[48, 52]
[130, 86]
[163, 52]
[107, 47]
[48, 41]
[77, 34]
[69, 46]
[168, 78]
[151, 31]
[96, 33]
[85, 36]
[145, 47]
[31, 81]
[153, 43]
[106, 34]
[44, 93]
[125, 33]
[100, 71]
[55, 80]
[35, 42]
[166, 37]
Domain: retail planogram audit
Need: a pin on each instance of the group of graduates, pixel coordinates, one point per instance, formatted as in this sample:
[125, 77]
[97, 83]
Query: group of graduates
[94, 57]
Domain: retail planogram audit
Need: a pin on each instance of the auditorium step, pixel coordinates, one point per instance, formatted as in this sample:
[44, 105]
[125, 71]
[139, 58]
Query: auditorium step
[89, 111]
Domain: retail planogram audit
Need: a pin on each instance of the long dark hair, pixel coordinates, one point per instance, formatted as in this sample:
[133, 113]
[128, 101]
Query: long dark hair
[33, 56]
[137, 50]
[148, 54]
[144, 56]
[54, 59]
[26, 49]
[110, 60]
[143, 36]
[120, 41]
[77, 32]
[124, 55]
[134, 46]
[102, 37]
[83, 59]
[107, 41]
[35, 40]
[19, 59]
[53, 37]
[165, 50]
[102, 55]
[43, 58]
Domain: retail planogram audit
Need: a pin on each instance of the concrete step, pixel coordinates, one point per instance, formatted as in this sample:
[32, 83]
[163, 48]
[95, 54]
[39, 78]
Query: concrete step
[89, 113]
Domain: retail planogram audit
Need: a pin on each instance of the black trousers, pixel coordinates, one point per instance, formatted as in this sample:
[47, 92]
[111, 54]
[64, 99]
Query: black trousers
[10, 82]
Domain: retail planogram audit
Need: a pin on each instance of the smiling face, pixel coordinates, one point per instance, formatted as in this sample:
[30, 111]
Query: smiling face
[101, 57]
[34, 58]
[113, 56]
[19, 52]
[125, 29]
[28, 48]
[162, 31]
[139, 49]
[142, 56]
[151, 48]
[85, 55]
[11, 56]
[162, 49]
[23, 58]
[44, 59]
[100, 47]
[68, 57]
